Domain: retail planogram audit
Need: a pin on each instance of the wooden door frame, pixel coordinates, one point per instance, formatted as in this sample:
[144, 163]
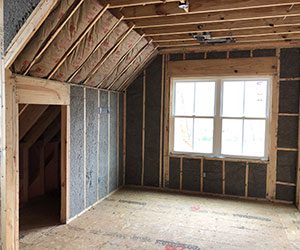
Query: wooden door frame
[29, 90]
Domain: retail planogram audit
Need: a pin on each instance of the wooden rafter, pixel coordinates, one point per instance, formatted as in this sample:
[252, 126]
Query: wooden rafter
[137, 70]
[81, 37]
[217, 17]
[107, 55]
[171, 8]
[96, 48]
[27, 31]
[130, 63]
[120, 61]
[127, 3]
[147, 60]
[53, 36]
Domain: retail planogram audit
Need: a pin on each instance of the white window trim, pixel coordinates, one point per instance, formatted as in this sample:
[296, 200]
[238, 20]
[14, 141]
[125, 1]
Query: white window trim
[217, 133]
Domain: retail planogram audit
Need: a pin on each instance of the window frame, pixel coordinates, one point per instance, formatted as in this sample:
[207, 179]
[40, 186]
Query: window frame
[217, 117]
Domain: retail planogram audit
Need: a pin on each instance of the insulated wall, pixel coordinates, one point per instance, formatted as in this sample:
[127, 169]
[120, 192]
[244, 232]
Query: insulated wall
[232, 177]
[94, 145]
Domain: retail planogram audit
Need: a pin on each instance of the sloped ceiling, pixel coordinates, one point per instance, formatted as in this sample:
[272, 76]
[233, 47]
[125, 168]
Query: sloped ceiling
[81, 42]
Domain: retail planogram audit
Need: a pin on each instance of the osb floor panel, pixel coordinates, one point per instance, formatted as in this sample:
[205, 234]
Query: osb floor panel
[132, 219]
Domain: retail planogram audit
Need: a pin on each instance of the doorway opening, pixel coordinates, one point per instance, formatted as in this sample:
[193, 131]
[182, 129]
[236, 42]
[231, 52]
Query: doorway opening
[40, 167]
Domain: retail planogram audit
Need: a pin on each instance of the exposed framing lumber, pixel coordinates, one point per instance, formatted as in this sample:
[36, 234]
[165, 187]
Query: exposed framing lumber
[124, 134]
[119, 62]
[27, 31]
[219, 17]
[127, 3]
[32, 90]
[235, 34]
[171, 8]
[103, 59]
[81, 37]
[53, 36]
[225, 47]
[146, 61]
[161, 120]
[22, 108]
[10, 169]
[96, 48]
[298, 170]
[232, 67]
[225, 26]
[129, 64]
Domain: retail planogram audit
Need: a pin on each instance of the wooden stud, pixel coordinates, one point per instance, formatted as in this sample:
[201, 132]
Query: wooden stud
[118, 138]
[166, 162]
[161, 120]
[273, 127]
[143, 128]
[223, 177]
[247, 179]
[53, 36]
[103, 59]
[108, 142]
[81, 37]
[201, 174]
[32, 24]
[10, 169]
[298, 170]
[181, 173]
[84, 148]
[98, 142]
[96, 48]
[124, 135]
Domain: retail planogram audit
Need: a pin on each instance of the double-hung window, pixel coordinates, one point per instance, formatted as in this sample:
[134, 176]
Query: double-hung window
[221, 116]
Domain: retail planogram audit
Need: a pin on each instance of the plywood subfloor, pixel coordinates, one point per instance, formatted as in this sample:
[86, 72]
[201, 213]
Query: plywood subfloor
[132, 219]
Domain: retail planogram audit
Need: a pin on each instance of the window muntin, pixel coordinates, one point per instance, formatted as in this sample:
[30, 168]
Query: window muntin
[221, 117]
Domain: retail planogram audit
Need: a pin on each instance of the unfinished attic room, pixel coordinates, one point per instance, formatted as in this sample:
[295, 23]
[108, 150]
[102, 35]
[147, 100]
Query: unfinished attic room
[150, 124]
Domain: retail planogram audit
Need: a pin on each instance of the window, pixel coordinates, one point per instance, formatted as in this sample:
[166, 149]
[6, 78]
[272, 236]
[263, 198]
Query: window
[220, 117]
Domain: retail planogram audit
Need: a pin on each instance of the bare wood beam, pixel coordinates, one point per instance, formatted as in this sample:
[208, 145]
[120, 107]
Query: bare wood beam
[80, 38]
[267, 38]
[128, 3]
[130, 79]
[103, 60]
[27, 31]
[120, 61]
[96, 48]
[235, 33]
[33, 90]
[129, 64]
[171, 8]
[29, 117]
[227, 47]
[137, 70]
[235, 15]
[226, 26]
[53, 36]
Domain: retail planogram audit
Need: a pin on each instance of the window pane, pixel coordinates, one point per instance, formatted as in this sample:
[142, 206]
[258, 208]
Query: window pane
[254, 137]
[183, 135]
[205, 99]
[232, 132]
[255, 98]
[203, 134]
[233, 95]
[184, 98]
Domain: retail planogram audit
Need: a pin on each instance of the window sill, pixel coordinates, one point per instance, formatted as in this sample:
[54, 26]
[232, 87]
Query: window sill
[219, 158]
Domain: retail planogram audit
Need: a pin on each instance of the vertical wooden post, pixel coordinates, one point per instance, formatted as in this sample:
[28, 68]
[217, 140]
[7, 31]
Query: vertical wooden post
[124, 135]
[65, 162]
[298, 172]
[143, 128]
[273, 125]
[9, 166]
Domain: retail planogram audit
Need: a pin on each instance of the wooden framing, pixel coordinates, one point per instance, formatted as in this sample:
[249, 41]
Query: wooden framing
[32, 90]
[298, 171]
[27, 31]
[143, 127]
[53, 36]
[20, 89]
[81, 37]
